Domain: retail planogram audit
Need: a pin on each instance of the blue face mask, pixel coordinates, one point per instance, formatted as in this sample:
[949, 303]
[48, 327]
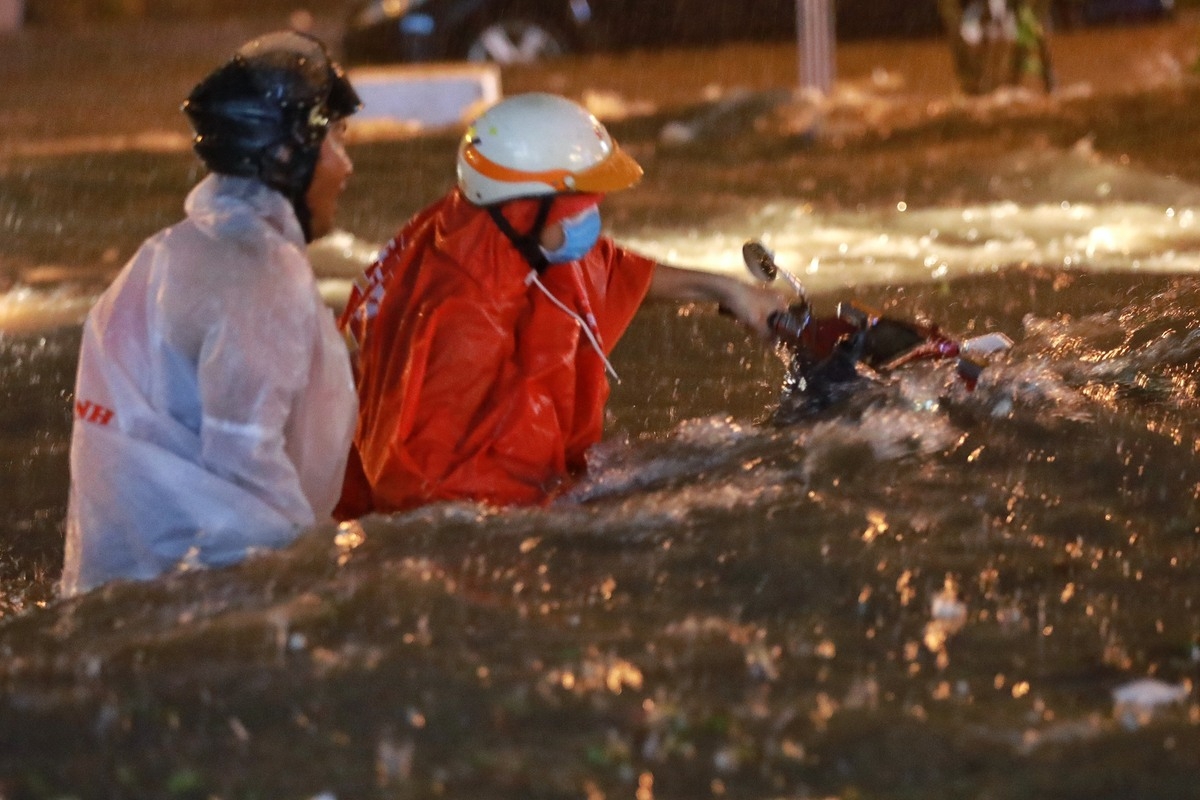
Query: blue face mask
[580, 233]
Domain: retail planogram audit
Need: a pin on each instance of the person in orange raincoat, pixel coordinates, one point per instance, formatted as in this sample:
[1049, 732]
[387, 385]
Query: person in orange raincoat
[483, 329]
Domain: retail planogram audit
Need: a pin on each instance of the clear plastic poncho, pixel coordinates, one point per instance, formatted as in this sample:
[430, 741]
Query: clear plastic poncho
[214, 402]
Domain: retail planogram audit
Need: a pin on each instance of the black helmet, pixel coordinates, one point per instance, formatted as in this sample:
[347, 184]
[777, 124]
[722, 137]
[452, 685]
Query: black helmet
[265, 113]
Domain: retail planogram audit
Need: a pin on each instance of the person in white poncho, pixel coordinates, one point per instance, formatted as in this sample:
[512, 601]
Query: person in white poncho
[214, 402]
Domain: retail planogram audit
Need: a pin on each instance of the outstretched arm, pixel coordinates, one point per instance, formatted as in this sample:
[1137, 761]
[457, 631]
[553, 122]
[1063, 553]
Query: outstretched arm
[750, 304]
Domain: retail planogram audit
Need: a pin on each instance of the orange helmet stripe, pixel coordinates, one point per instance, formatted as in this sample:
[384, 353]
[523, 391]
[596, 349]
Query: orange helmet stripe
[618, 171]
[498, 172]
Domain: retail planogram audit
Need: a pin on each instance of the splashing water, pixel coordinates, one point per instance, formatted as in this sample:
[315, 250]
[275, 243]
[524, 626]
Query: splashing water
[928, 592]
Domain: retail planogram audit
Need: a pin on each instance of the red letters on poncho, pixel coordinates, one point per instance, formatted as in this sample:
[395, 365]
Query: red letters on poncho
[471, 384]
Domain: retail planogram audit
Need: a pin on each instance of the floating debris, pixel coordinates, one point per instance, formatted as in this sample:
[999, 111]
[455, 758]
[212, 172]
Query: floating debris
[1135, 704]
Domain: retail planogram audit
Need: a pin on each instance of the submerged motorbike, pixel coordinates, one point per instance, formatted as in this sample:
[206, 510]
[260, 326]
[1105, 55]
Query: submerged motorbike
[829, 357]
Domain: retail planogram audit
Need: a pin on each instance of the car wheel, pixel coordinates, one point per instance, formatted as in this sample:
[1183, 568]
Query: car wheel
[516, 41]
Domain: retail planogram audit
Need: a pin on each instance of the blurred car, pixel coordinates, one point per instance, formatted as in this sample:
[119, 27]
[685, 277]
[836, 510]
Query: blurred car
[523, 31]
[1073, 13]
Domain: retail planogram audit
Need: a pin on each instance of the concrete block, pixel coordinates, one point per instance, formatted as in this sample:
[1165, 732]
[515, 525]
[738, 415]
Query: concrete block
[425, 95]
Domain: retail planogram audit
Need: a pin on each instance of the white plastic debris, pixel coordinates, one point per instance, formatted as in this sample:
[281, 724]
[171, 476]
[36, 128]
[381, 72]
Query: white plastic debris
[1137, 702]
[986, 345]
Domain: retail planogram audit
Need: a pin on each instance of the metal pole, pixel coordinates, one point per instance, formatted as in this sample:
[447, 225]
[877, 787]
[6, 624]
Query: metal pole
[815, 43]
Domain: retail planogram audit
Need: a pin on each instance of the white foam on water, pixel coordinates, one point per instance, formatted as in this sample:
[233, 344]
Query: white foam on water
[43, 302]
[1062, 208]
[617, 467]
[832, 250]
[26, 309]
[887, 433]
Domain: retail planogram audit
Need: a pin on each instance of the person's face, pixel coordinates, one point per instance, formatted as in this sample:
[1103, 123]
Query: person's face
[329, 180]
[553, 236]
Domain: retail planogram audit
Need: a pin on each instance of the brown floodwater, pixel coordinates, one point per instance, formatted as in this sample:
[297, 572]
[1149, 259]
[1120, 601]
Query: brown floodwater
[923, 592]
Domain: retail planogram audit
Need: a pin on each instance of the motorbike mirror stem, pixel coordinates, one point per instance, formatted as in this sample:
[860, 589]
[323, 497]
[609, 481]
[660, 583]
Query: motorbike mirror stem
[761, 263]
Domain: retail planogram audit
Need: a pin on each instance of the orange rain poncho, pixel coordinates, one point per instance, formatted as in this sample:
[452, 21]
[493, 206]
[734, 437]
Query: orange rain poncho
[472, 385]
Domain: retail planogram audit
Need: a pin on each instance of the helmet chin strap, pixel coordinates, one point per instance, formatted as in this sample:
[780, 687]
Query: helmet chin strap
[529, 245]
[586, 325]
[303, 216]
[293, 181]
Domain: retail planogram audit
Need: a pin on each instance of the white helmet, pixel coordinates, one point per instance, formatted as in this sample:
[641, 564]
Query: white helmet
[539, 144]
